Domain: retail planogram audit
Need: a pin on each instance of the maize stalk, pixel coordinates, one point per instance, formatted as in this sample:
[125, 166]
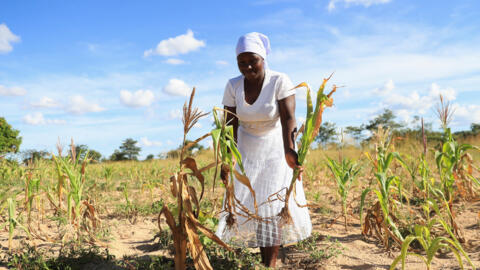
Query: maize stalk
[310, 131]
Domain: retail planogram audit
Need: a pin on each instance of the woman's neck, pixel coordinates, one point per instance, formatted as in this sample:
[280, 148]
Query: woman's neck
[256, 81]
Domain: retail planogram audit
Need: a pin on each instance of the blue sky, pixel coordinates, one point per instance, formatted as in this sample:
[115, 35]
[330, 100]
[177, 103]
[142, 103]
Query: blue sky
[103, 71]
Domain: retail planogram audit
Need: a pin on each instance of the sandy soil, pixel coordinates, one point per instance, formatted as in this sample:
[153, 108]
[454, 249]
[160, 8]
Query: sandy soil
[357, 252]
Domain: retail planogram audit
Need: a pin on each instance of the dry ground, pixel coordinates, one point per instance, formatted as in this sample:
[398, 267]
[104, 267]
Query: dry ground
[356, 251]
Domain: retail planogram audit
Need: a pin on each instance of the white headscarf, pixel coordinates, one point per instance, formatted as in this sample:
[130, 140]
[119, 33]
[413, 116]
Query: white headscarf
[254, 42]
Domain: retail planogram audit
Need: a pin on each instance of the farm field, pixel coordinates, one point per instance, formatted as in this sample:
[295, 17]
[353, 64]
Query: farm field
[120, 202]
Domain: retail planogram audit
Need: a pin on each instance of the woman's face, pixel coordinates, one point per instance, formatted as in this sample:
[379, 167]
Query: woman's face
[251, 65]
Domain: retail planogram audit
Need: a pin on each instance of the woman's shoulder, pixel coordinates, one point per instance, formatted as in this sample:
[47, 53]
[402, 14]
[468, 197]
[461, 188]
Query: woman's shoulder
[276, 75]
[235, 82]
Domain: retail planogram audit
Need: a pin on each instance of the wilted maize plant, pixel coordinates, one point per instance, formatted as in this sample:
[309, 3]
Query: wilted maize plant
[185, 226]
[309, 131]
[230, 160]
[380, 218]
[71, 177]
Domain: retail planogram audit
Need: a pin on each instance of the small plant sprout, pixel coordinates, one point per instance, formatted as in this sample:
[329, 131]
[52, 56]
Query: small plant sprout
[344, 173]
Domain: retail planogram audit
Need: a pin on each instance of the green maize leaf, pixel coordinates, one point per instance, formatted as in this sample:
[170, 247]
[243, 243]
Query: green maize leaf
[459, 259]
[309, 104]
[405, 246]
[458, 246]
[397, 259]
[215, 117]
[434, 246]
[216, 133]
[11, 216]
[229, 130]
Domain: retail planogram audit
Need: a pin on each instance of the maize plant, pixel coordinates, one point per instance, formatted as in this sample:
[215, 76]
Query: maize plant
[344, 174]
[230, 159]
[32, 187]
[13, 222]
[454, 164]
[71, 176]
[185, 226]
[309, 132]
[430, 243]
[380, 217]
[455, 167]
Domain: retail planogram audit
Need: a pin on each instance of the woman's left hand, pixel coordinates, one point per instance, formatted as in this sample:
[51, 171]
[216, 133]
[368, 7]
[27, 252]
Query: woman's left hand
[292, 160]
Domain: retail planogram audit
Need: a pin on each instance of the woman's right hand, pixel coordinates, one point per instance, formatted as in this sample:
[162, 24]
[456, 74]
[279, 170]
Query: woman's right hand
[224, 172]
[292, 160]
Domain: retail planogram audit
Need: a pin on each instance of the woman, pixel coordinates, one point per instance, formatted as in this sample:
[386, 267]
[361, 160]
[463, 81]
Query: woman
[264, 101]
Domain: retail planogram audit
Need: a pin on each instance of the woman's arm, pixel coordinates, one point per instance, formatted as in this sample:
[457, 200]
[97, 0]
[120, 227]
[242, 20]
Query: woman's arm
[286, 109]
[232, 120]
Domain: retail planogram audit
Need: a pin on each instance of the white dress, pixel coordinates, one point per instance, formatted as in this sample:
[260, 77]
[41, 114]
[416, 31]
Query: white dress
[261, 144]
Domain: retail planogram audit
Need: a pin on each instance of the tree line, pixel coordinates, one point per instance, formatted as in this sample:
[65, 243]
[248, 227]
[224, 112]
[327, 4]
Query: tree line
[329, 133]
[10, 139]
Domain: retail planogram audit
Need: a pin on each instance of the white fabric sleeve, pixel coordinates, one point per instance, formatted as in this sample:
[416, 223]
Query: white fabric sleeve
[229, 96]
[284, 87]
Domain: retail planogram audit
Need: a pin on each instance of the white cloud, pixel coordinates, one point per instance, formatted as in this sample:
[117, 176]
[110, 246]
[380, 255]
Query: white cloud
[174, 61]
[415, 103]
[45, 102]
[386, 89]
[175, 114]
[146, 142]
[466, 114]
[12, 91]
[140, 98]
[366, 3]
[448, 94]
[198, 125]
[6, 38]
[221, 63]
[38, 119]
[34, 119]
[78, 105]
[177, 87]
[181, 44]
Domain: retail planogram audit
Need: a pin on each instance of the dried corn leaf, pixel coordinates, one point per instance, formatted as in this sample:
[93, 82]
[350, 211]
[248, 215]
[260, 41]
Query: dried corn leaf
[169, 218]
[91, 214]
[173, 186]
[197, 251]
[193, 196]
[245, 181]
[208, 233]
[191, 164]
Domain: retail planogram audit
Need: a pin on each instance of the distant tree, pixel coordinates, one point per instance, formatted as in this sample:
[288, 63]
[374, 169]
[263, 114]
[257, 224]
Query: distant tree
[355, 132]
[175, 153]
[196, 146]
[9, 139]
[326, 133]
[118, 156]
[82, 149]
[32, 155]
[128, 151]
[149, 157]
[475, 128]
[386, 119]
